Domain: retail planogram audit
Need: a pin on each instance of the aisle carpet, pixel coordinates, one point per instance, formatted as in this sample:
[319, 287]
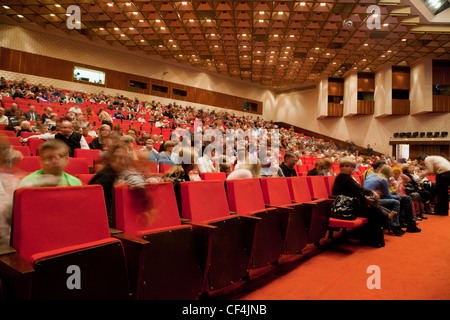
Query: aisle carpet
[413, 266]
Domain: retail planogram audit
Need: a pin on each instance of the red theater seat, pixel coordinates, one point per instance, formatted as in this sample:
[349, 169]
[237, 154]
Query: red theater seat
[60, 246]
[90, 154]
[317, 212]
[85, 177]
[33, 144]
[245, 197]
[77, 166]
[293, 221]
[232, 244]
[213, 176]
[29, 164]
[164, 257]
[25, 150]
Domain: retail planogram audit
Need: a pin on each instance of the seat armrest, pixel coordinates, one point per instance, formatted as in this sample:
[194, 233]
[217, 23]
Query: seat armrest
[128, 238]
[200, 227]
[14, 265]
[113, 231]
[7, 250]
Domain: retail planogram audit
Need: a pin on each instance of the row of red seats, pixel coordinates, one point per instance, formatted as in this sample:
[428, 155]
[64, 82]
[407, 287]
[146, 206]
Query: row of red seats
[226, 229]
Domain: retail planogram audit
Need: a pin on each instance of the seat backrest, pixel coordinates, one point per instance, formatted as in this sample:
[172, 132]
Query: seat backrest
[245, 195]
[299, 189]
[85, 177]
[29, 164]
[136, 212]
[275, 191]
[33, 144]
[318, 187]
[91, 154]
[14, 141]
[51, 218]
[329, 181]
[77, 166]
[203, 200]
[24, 150]
[213, 176]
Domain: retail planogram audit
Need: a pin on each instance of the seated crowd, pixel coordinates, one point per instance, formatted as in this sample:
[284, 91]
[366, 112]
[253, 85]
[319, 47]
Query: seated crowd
[401, 187]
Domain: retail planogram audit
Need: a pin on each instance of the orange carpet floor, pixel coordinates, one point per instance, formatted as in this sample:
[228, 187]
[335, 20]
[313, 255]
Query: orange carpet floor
[415, 266]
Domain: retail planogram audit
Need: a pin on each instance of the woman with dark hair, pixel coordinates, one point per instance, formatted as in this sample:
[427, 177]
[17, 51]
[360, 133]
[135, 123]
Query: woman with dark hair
[118, 169]
[345, 184]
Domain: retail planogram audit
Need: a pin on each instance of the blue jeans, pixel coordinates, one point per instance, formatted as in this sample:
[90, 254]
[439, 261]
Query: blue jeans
[393, 205]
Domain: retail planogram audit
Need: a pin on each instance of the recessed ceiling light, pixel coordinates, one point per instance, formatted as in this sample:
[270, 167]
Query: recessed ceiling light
[58, 5]
[110, 4]
[20, 16]
[135, 13]
[141, 20]
[261, 20]
[280, 12]
[157, 20]
[122, 35]
[142, 40]
[244, 34]
[102, 29]
[303, 3]
[128, 4]
[403, 39]
[116, 29]
[322, 4]
[261, 12]
[275, 35]
[184, 3]
[385, 24]
[52, 14]
[163, 28]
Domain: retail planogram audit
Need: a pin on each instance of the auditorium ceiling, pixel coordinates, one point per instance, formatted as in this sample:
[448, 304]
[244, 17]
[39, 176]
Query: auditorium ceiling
[278, 45]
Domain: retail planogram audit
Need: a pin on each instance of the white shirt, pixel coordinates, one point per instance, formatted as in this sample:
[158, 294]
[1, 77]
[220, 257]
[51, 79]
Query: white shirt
[205, 164]
[4, 120]
[76, 110]
[437, 164]
[48, 136]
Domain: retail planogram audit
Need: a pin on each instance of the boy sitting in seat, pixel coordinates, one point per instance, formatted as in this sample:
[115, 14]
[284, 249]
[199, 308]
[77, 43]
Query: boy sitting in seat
[54, 156]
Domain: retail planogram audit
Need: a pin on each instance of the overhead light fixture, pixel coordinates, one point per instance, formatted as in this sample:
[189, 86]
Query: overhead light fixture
[110, 4]
[20, 16]
[303, 4]
[58, 5]
[436, 6]
[6, 7]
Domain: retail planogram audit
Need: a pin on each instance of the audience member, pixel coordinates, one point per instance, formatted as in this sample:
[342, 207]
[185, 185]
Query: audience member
[54, 156]
[439, 166]
[74, 140]
[344, 184]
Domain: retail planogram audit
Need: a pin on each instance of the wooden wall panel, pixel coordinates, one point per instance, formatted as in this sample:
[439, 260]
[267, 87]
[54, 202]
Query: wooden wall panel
[335, 110]
[365, 107]
[441, 75]
[400, 80]
[400, 107]
[335, 88]
[441, 103]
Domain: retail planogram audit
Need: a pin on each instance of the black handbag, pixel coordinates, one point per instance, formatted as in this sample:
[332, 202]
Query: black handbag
[344, 208]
